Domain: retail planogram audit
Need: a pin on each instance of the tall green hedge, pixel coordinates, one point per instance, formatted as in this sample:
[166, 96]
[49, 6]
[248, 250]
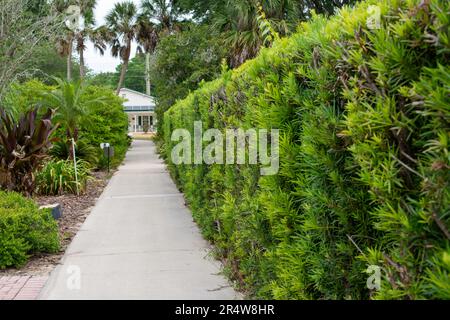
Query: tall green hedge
[364, 119]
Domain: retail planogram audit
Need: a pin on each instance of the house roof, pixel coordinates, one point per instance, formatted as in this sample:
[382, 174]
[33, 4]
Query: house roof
[136, 92]
[136, 100]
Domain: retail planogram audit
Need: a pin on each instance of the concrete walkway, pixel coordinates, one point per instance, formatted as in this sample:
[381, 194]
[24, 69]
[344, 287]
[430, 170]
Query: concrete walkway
[139, 242]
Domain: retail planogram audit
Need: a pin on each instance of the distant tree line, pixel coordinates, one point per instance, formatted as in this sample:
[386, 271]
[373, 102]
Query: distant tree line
[180, 42]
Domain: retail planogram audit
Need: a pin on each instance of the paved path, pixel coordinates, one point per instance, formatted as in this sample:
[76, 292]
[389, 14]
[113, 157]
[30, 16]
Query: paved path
[139, 242]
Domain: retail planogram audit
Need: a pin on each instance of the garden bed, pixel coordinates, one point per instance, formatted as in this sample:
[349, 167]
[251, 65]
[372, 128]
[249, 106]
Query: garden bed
[75, 211]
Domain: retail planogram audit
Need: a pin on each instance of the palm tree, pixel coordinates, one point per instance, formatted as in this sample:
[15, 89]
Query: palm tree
[96, 37]
[71, 105]
[240, 31]
[65, 44]
[148, 39]
[162, 13]
[122, 23]
[239, 20]
[88, 32]
[156, 20]
[64, 47]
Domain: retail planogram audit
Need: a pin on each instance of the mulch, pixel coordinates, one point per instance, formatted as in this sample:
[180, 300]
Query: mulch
[75, 210]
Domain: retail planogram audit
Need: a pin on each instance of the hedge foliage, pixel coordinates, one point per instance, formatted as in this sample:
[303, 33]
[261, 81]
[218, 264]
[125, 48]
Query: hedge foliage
[106, 123]
[24, 230]
[364, 119]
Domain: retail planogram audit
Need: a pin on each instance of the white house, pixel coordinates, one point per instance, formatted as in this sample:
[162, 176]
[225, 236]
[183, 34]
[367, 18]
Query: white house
[140, 109]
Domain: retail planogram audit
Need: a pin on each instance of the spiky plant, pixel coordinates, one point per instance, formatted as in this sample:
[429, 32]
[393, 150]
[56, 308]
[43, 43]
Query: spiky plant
[23, 146]
[71, 105]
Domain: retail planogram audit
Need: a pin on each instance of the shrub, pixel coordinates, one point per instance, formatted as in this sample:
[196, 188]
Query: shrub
[83, 150]
[24, 230]
[106, 123]
[97, 117]
[58, 177]
[364, 158]
[25, 96]
[23, 145]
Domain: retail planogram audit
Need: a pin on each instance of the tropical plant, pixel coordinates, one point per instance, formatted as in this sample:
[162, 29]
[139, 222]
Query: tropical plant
[148, 38]
[240, 30]
[71, 106]
[23, 146]
[24, 230]
[163, 12]
[88, 33]
[58, 177]
[122, 27]
[206, 10]
[239, 21]
[64, 48]
[64, 43]
[94, 122]
[78, 35]
[83, 150]
[158, 19]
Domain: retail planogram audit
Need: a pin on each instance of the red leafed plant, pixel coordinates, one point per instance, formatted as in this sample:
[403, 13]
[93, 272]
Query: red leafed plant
[23, 146]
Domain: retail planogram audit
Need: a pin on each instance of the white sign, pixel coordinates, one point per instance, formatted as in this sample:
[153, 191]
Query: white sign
[104, 145]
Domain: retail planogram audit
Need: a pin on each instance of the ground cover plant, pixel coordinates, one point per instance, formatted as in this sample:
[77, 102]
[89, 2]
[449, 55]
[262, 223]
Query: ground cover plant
[24, 230]
[58, 177]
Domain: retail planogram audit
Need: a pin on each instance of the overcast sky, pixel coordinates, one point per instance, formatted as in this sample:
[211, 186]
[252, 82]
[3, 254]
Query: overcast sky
[93, 59]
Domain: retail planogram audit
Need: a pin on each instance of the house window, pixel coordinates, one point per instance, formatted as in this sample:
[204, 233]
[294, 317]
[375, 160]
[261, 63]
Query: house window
[140, 120]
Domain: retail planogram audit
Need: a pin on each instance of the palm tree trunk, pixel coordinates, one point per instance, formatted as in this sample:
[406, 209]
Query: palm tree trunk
[69, 143]
[147, 73]
[69, 61]
[123, 72]
[82, 68]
